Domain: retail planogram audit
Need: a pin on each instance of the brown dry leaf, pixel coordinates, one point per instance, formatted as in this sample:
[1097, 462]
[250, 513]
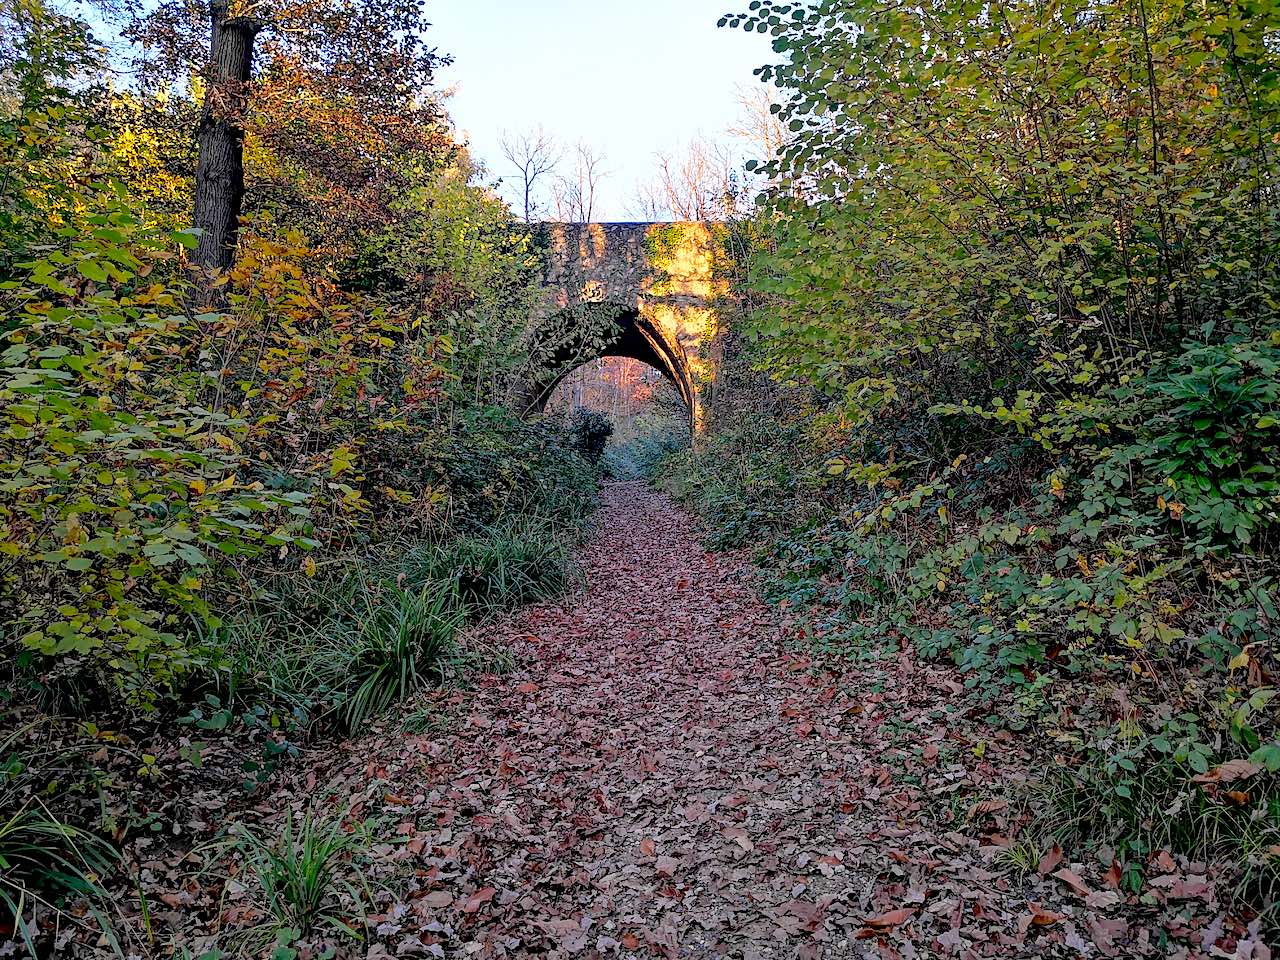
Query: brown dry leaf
[890, 919]
[1113, 875]
[1073, 880]
[478, 899]
[810, 915]
[1049, 861]
[1041, 917]
[1102, 899]
[1230, 771]
[987, 806]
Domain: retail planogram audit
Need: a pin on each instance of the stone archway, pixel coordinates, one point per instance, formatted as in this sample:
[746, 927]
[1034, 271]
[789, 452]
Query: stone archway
[662, 281]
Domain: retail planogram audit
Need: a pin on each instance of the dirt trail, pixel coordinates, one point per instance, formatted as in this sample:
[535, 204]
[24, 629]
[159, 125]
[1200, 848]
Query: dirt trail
[660, 778]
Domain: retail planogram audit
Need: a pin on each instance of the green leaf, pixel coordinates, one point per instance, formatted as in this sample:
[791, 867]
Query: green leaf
[91, 269]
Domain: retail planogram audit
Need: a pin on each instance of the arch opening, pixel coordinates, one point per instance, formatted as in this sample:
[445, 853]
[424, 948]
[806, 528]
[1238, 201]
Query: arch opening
[644, 416]
[631, 337]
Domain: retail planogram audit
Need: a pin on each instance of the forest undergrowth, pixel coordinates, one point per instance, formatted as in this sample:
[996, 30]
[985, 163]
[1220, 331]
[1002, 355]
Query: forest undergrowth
[1009, 389]
[245, 511]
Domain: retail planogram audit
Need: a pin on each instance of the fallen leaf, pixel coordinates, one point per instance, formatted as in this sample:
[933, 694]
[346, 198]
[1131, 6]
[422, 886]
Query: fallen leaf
[1239, 769]
[1049, 861]
[892, 918]
[1101, 899]
[987, 806]
[478, 899]
[1073, 880]
[1041, 917]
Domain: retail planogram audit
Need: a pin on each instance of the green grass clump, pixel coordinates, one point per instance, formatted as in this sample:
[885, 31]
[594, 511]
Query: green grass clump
[515, 561]
[403, 640]
[45, 860]
[352, 646]
[1097, 803]
[304, 876]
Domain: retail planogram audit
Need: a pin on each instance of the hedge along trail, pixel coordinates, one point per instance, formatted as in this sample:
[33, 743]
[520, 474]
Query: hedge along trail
[1015, 287]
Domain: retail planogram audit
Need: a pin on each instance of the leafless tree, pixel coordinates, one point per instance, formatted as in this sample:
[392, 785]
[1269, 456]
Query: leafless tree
[703, 180]
[534, 154]
[758, 127]
[698, 182]
[575, 194]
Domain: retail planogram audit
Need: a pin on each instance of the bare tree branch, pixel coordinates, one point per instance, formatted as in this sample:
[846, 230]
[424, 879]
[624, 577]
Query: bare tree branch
[533, 154]
[575, 195]
[698, 182]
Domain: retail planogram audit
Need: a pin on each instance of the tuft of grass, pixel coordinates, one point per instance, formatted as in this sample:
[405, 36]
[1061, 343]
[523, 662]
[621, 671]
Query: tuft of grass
[423, 720]
[303, 875]
[1162, 809]
[518, 560]
[403, 642]
[368, 633]
[44, 860]
[1022, 857]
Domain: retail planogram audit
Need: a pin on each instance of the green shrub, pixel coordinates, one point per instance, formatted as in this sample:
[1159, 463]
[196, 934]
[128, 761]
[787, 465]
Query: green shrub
[1140, 799]
[749, 479]
[590, 431]
[1213, 439]
[498, 465]
[120, 487]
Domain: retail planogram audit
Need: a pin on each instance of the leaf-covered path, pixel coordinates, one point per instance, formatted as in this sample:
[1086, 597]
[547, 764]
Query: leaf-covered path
[661, 777]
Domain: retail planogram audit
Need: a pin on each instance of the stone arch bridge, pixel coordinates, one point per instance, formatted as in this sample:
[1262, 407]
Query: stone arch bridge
[658, 282]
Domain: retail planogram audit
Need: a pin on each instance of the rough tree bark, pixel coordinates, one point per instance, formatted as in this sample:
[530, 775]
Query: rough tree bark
[219, 191]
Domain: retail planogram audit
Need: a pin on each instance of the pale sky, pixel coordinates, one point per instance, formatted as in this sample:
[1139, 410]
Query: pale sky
[629, 77]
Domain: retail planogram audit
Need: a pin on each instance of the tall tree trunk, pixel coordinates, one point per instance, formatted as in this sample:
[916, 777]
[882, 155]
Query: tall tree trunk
[219, 189]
